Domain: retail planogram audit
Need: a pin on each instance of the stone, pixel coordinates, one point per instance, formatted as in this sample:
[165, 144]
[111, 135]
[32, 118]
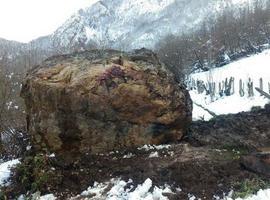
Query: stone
[98, 101]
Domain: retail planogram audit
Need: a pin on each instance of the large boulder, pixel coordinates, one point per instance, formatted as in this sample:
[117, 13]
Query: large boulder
[97, 101]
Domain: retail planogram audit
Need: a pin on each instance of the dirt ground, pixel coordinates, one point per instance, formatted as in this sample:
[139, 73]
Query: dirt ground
[207, 163]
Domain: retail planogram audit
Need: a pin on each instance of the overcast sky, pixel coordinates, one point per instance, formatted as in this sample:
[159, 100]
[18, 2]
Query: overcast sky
[24, 20]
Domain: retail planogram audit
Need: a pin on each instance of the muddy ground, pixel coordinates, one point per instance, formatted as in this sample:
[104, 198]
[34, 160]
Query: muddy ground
[206, 163]
[247, 129]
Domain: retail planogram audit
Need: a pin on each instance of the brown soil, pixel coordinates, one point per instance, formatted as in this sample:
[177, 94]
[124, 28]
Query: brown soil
[207, 164]
[200, 171]
[247, 129]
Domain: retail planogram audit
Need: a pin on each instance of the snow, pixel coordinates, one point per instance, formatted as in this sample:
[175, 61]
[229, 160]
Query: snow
[122, 190]
[48, 197]
[28, 148]
[11, 105]
[37, 196]
[5, 174]
[160, 147]
[97, 190]
[92, 34]
[118, 189]
[129, 24]
[146, 147]
[226, 105]
[254, 67]
[141, 6]
[153, 155]
[52, 155]
[5, 170]
[171, 153]
[191, 197]
[129, 155]
[142, 190]
[153, 147]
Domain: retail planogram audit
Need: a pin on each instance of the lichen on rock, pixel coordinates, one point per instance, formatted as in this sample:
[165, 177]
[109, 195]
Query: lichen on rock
[97, 101]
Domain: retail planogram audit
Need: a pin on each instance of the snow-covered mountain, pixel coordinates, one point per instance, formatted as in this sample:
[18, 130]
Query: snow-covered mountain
[125, 24]
[129, 24]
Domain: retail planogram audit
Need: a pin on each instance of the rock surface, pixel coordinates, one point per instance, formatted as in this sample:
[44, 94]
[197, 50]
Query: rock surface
[97, 101]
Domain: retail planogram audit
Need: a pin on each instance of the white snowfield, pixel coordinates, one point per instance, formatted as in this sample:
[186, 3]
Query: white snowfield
[254, 67]
[122, 190]
[5, 170]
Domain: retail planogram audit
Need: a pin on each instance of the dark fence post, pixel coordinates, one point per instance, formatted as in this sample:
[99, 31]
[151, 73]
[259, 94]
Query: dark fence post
[250, 88]
[241, 88]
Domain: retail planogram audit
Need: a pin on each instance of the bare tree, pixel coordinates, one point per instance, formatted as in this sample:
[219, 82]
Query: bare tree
[11, 111]
[233, 34]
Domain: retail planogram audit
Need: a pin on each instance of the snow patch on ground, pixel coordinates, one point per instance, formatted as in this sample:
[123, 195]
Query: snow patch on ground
[36, 196]
[225, 105]
[48, 197]
[122, 190]
[154, 155]
[129, 155]
[5, 170]
[254, 67]
[154, 147]
[191, 197]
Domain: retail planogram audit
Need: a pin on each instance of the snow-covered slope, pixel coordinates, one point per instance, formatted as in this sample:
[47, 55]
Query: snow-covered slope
[253, 67]
[129, 24]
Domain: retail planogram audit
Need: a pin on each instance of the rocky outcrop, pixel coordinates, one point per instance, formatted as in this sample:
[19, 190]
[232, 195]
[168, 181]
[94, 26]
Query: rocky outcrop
[97, 101]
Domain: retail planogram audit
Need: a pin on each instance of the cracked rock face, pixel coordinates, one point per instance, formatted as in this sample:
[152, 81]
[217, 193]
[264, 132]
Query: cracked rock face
[98, 101]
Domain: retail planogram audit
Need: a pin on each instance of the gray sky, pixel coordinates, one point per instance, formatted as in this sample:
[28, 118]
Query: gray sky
[24, 20]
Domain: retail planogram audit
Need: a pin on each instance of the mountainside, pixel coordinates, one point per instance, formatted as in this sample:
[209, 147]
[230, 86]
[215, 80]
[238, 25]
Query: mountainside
[123, 24]
[8, 48]
[19, 56]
